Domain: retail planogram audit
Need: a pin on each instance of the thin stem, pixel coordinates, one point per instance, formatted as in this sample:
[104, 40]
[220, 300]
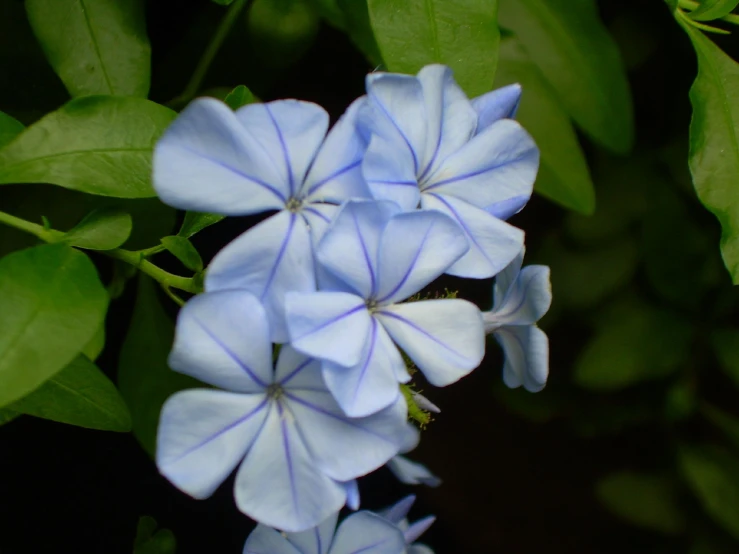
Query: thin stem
[151, 251]
[192, 87]
[691, 5]
[136, 259]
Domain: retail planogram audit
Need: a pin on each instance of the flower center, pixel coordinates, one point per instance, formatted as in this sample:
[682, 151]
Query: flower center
[371, 305]
[294, 204]
[275, 391]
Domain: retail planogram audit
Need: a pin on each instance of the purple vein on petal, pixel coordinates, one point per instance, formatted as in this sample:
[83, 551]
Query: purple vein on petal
[420, 330]
[219, 433]
[251, 178]
[316, 213]
[460, 221]
[288, 457]
[370, 269]
[366, 363]
[231, 354]
[472, 174]
[278, 259]
[396, 183]
[286, 156]
[402, 134]
[318, 540]
[333, 176]
[334, 320]
[295, 371]
[410, 267]
[369, 547]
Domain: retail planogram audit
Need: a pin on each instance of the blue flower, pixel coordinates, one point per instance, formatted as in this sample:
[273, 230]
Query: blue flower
[363, 532]
[273, 156]
[378, 257]
[521, 298]
[429, 146]
[407, 471]
[297, 451]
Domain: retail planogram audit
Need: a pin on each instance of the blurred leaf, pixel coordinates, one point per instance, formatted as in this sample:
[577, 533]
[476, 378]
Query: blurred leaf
[81, 395]
[680, 401]
[714, 143]
[713, 475]
[332, 12]
[713, 9]
[96, 47]
[195, 222]
[96, 345]
[9, 129]
[144, 378]
[462, 34]
[634, 343]
[102, 229]
[728, 424]
[182, 249]
[99, 145]
[726, 344]
[357, 24]
[53, 303]
[6, 416]
[149, 542]
[645, 500]
[575, 53]
[563, 173]
[224, 2]
[238, 97]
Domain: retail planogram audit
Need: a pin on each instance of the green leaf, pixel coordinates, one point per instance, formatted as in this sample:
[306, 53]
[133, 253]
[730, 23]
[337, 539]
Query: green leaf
[9, 129]
[240, 96]
[333, 14]
[7, 415]
[714, 142]
[195, 222]
[98, 144]
[645, 500]
[635, 343]
[713, 9]
[53, 304]
[149, 542]
[713, 475]
[568, 42]
[144, 378]
[96, 345]
[356, 20]
[95, 46]
[103, 229]
[726, 344]
[462, 34]
[183, 250]
[563, 174]
[81, 395]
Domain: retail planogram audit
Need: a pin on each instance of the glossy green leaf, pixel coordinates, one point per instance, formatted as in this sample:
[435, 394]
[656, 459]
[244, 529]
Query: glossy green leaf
[714, 141]
[52, 305]
[726, 345]
[634, 343]
[563, 172]
[645, 500]
[149, 540]
[144, 378]
[81, 395]
[103, 229]
[95, 46]
[713, 9]
[356, 19]
[462, 34]
[9, 129]
[182, 249]
[195, 222]
[568, 42]
[713, 475]
[7, 415]
[240, 96]
[96, 345]
[98, 144]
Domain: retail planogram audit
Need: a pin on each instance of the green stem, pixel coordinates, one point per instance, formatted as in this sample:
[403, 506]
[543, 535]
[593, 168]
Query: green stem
[136, 259]
[192, 87]
[691, 5]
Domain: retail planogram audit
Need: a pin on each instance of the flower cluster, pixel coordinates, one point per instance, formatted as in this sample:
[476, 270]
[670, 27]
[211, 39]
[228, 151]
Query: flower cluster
[414, 181]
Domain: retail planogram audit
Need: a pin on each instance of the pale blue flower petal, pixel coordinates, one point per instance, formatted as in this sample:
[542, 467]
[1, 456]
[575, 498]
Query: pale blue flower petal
[526, 350]
[317, 540]
[268, 260]
[278, 484]
[526, 300]
[345, 448]
[496, 166]
[203, 434]
[352, 494]
[506, 278]
[298, 371]
[416, 248]
[265, 540]
[332, 326]
[418, 528]
[372, 384]
[367, 533]
[390, 172]
[396, 513]
[207, 161]
[425, 404]
[450, 118]
[419, 549]
[209, 341]
[497, 104]
[445, 338]
[409, 472]
[349, 247]
[336, 173]
[493, 243]
[318, 217]
[290, 133]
